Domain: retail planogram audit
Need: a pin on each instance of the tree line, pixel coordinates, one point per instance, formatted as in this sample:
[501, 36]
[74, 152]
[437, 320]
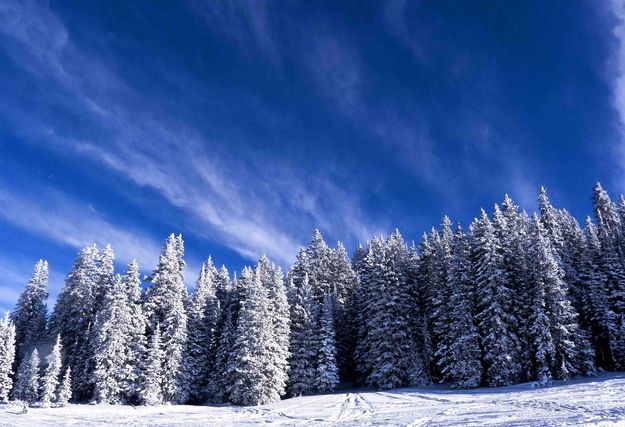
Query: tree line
[513, 297]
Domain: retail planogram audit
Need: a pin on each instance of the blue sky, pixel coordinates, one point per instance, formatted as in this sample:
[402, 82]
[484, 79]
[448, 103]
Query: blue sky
[246, 124]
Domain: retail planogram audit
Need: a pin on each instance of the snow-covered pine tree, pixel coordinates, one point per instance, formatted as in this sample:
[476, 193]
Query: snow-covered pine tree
[499, 341]
[614, 271]
[203, 315]
[73, 318]
[570, 349]
[327, 373]
[272, 279]
[440, 292]
[51, 377]
[605, 212]
[541, 340]
[27, 385]
[344, 281]
[302, 362]
[152, 390]
[29, 316]
[111, 346]
[459, 358]
[602, 326]
[513, 249]
[106, 276]
[250, 352]
[222, 379]
[164, 305]
[136, 344]
[64, 393]
[7, 356]
[387, 355]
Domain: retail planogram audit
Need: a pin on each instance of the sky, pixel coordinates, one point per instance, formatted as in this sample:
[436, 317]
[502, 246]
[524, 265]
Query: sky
[245, 125]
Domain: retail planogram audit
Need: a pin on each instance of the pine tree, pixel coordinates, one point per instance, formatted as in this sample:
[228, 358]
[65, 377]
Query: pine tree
[73, 318]
[302, 362]
[601, 317]
[27, 384]
[499, 341]
[65, 389]
[203, 315]
[7, 355]
[387, 354]
[272, 280]
[344, 281]
[152, 391]
[252, 381]
[459, 358]
[222, 379]
[29, 316]
[111, 346]
[50, 380]
[136, 339]
[441, 292]
[164, 305]
[327, 375]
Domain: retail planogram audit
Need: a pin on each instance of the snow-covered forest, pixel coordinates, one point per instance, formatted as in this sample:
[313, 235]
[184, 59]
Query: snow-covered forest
[513, 297]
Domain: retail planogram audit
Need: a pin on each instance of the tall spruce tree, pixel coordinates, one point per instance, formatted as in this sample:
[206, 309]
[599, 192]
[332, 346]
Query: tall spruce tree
[152, 390]
[135, 330]
[7, 356]
[252, 382]
[459, 353]
[51, 377]
[29, 316]
[499, 340]
[73, 318]
[302, 362]
[111, 345]
[327, 372]
[27, 385]
[164, 305]
[203, 315]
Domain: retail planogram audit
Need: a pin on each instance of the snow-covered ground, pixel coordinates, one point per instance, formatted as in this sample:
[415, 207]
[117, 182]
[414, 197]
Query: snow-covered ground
[598, 401]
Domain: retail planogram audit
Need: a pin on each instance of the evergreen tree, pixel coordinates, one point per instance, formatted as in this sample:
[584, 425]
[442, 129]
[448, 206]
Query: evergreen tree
[152, 391]
[272, 279]
[327, 375]
[252, 379]
[29, 316]
[7, 356]
[387, 354]
[164, 305]
[65, 389]
[601, 317]
[203, 314]
[302, 362]
[222, 379]
[27, 384]
[136, 340]
[73, 318]
[111, 346]
[50, 380]
[499, 341]
[459, 357]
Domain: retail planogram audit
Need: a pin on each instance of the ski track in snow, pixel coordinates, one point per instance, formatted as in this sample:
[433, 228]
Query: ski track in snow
[598, 401]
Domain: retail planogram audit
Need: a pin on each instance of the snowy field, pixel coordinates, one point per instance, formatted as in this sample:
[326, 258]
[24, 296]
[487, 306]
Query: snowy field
[600, 401]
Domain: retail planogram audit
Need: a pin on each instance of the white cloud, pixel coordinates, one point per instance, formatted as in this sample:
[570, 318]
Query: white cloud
[240, 203]
[53, 215]
[617, 77]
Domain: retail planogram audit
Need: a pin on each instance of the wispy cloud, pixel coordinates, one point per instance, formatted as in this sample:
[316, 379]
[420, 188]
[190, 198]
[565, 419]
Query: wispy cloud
[617, 78]
[244, 22]
[63, 220]
[239, 202]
